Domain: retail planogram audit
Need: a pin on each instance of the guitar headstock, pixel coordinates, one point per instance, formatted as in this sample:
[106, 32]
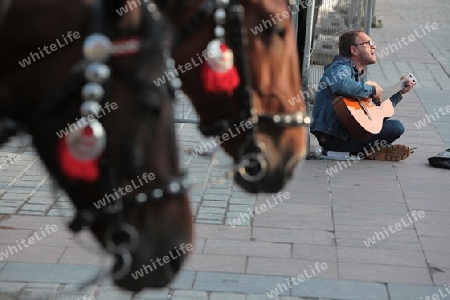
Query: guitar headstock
[409, 76]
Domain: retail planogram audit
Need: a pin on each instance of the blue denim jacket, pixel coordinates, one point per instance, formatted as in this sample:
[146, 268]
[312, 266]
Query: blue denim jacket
[341, 77]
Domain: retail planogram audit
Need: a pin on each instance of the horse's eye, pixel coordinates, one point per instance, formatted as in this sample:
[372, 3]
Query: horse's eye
[281, 32]
[276, 30]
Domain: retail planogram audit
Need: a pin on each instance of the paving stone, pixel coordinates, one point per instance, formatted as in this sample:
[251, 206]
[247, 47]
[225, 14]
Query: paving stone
[291, 267]
[203, 221]
[239, 208]
[183, 281]
[208, 203]
[189, 295]
[216, 197]
[226, 296]
[43, 285]
[215, 263]
[314, 252]
[345, 290]
[218, 189]
[11, 288]
[35, 207]
[113, 294]
[441, 276]
[216, 216]
[154, 294]
[247, 248]
[63, 205]
[261, 297]
[34, 294]
[74, 297]
[76, 289]
[31, 212]
[47, 273]
[408, 292]
[232, 283]
[391, 274]
[293, 222]
[233, 222]
[382, 257]
[385, 244]
[8, 210]
[214, 211]
[312, 237]
[14, 196]
[60, 212]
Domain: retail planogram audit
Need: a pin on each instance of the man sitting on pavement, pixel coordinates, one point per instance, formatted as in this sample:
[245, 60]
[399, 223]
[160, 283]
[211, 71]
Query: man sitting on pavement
[346, 76]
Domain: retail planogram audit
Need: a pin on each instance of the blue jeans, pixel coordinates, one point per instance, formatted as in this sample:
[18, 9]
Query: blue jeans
[392, 130]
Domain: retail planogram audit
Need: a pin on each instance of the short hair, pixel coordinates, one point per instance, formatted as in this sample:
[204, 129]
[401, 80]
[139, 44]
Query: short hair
[346, 40]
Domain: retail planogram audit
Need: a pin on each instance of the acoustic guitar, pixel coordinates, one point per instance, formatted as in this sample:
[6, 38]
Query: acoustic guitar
[364, 117]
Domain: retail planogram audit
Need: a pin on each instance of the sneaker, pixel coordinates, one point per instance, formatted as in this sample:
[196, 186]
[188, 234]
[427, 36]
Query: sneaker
[391, 153]
[335, 155]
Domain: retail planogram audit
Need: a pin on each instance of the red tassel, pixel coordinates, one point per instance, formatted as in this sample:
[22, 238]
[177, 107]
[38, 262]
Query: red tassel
[216, 82]
[74, 168]
[219, 73]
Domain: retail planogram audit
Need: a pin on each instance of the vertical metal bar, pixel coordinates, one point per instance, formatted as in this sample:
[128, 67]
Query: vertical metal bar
[294, 7]
[308, 44]
[352, 18]
[369, 16]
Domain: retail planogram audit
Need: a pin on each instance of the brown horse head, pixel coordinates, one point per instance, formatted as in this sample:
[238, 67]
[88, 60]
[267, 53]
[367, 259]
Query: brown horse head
[137, 208]
[267, 139]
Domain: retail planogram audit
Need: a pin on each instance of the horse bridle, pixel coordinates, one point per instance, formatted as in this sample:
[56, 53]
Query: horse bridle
[253, 164]
[121, 238]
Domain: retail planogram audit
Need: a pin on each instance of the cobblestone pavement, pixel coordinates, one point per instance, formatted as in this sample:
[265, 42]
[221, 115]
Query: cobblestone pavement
[332, 209]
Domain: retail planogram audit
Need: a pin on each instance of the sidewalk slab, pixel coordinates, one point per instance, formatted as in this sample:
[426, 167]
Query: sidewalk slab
[345, 290]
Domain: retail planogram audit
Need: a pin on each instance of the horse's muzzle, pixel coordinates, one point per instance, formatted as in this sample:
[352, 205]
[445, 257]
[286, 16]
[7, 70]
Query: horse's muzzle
[255, 175]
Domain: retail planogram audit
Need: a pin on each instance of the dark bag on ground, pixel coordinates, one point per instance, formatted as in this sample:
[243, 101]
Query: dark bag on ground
[442, 160]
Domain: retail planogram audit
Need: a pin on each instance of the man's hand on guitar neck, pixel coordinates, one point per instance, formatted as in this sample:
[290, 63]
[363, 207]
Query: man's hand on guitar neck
[409, 84]
[378, 89]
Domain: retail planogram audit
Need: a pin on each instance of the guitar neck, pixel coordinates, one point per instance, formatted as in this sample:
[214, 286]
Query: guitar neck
[392, 90]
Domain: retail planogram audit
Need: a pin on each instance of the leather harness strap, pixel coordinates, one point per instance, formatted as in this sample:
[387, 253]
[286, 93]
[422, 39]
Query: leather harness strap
[4, 7]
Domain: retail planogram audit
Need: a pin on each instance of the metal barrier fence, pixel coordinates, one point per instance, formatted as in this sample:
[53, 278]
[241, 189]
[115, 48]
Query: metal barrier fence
[322, 34]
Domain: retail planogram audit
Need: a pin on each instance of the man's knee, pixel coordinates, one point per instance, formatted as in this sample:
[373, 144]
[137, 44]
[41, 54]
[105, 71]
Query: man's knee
[394, 128]
[399, 128]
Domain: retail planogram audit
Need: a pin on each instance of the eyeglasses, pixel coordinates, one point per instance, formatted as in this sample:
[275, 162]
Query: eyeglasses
[370, 43]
